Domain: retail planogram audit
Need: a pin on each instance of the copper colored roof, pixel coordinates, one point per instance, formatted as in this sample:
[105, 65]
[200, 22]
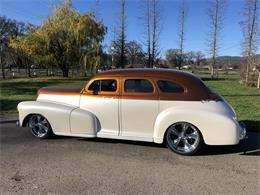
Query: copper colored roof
[146, 72]
[195, 88]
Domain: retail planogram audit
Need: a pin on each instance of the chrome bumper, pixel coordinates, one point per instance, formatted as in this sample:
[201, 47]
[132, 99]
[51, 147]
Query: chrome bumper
[242, 131]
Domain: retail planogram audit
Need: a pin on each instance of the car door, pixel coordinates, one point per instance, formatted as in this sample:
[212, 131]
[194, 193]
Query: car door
[139, 108]
[101, 97]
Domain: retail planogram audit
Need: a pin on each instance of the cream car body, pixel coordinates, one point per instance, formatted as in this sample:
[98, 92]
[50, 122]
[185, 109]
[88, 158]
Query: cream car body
[142, 116]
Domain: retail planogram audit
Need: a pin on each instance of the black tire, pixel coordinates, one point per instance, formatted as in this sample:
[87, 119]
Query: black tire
[40, 126]
[184, 138]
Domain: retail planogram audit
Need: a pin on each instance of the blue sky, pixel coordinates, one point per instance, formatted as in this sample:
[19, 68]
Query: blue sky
[35, 11]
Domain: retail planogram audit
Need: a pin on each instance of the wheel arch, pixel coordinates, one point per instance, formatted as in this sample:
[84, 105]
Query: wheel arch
[27, 118]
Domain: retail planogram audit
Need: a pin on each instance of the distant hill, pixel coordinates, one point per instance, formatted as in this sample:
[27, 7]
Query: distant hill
[235, 58]
[233, 61]
[232, 58]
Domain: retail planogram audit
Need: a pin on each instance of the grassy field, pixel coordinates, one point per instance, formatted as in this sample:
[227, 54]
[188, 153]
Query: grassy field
[245, 100]
[14, 91]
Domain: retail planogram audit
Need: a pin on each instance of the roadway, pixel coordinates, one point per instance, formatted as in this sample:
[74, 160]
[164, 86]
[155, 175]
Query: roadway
[64, 165]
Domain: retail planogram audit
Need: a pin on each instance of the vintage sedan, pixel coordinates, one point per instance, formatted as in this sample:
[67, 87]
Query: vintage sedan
[153, 105]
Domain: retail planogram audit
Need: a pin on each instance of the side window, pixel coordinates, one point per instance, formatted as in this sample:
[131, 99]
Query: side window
[103, 85]
[170, 87]
[138, 85]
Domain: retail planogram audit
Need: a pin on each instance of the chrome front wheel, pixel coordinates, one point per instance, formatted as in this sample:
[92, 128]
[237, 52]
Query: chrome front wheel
[39, 126]
[184, 138]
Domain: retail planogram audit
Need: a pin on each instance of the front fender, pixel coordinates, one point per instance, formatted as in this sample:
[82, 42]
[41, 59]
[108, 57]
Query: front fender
[216, 128]
[58, 115]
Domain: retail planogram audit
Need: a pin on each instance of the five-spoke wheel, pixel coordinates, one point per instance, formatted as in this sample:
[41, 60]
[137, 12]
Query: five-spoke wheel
[39, 126]
[183, 138]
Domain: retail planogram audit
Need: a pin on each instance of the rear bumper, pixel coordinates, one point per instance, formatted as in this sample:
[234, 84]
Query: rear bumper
[242, 131]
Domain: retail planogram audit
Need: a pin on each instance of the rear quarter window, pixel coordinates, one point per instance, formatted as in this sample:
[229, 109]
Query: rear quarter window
[169, 87]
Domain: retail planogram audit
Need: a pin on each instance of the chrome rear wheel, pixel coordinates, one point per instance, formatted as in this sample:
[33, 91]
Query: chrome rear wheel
[39, 126]
[183, 138]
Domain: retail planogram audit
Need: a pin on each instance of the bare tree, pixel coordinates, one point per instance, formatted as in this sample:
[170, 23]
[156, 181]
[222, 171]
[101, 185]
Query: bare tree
[199, 56]
[118, 45]
[112, 49]
[182, 18]
[189, 57]
[250, 30]
[145, 9]
[122, 37]
[152, 23]
[215, 13]
[155, 32]
[135, 54]
[148, 15]
[173, 57]
[257, 67]
[96, 9]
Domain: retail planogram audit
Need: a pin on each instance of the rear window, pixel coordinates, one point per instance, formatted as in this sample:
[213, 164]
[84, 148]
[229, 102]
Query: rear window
[170, 87]
[138, 85]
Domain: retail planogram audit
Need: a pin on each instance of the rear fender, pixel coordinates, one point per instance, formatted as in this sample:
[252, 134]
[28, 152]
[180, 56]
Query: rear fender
[216, 128]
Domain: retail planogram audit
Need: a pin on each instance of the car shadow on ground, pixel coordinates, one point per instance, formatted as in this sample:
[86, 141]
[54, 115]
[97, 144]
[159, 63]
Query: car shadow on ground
[249, 146]
[120, 141]
[252, 126]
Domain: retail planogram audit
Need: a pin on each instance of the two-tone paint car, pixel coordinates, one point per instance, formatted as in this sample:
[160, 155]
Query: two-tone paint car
[153, 105]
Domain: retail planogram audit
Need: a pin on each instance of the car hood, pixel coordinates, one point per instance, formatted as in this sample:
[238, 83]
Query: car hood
[60, 90]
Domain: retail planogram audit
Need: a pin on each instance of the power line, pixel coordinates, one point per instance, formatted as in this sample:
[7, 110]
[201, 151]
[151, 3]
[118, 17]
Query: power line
[231, 47]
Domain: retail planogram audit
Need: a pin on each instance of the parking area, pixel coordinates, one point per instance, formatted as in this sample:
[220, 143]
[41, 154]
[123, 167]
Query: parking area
[64, 165]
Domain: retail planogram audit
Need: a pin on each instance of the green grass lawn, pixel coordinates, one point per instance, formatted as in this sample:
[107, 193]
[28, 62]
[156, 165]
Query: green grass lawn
[245, 100]
[14, 91]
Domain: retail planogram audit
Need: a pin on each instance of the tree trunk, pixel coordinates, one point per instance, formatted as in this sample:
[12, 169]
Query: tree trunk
[2, 67]
[47, 72]
[154, 33]
[251, 23]
[91, 68]
[65, 72]
[181, 33]
[3, 71]
[247, 73]
[122, 35]
[29, 70]
[149, 35]
[72, 72]
[258, 80]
